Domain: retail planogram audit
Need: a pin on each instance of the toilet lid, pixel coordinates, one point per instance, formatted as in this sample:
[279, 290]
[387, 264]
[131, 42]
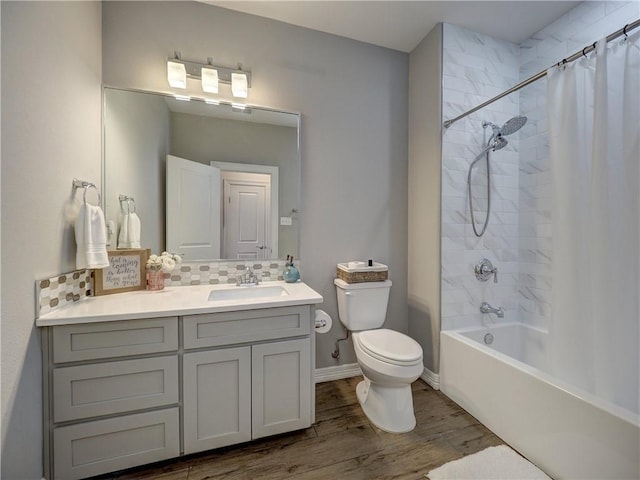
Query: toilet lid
[390, 346]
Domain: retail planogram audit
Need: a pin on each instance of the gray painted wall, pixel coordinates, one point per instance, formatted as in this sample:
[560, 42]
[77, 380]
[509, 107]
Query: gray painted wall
[425, 153]
[353, 101]
[50, 134]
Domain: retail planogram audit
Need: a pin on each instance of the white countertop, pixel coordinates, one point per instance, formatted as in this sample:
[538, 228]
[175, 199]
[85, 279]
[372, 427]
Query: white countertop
[172, 301]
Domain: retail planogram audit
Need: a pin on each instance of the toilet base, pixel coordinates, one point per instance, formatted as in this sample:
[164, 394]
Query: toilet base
[388, 408]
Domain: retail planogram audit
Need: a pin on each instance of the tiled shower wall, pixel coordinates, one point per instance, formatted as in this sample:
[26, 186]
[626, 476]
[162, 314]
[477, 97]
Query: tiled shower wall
[588, 22]
[476, 68]
[518, 239]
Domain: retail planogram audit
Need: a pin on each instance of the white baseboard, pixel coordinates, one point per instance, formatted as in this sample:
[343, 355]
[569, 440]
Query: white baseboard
[432, 379]
[338, 372]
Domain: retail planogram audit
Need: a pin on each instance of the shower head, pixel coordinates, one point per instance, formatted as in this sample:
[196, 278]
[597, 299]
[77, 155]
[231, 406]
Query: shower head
[510, 126]
[513, 125]
[499, 142]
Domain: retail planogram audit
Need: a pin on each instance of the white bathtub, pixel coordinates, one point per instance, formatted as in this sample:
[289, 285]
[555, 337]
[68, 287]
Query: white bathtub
[568, 433]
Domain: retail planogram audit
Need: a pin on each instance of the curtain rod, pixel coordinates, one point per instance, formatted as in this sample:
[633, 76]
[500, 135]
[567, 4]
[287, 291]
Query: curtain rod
[589, 48]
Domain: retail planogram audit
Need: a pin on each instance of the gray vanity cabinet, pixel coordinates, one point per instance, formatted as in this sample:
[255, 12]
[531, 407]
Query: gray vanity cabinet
[125, 393]
[113, 396]
[238, 393]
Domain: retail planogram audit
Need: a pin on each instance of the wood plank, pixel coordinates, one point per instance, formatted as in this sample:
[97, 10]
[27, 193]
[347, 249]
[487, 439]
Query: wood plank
[407, 462]
[342, 444]
[337, 393]
[159, 473]
[296, 458]
[339, 419]
[472, 439]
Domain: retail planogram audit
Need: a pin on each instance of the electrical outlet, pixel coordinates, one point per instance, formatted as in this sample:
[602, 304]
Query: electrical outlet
[285, 221]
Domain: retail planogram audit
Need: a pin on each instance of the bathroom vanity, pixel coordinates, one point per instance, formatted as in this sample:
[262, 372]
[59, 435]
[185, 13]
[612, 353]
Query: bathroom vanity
[139, 377]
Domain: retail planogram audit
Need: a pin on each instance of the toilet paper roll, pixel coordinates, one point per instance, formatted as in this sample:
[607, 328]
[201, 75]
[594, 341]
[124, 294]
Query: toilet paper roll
[323, 321]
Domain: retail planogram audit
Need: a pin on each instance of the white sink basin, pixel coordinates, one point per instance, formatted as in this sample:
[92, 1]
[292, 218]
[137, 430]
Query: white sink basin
[247, 293]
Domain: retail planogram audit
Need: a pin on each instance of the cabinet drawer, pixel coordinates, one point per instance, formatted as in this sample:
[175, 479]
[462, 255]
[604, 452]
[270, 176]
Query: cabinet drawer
[108, 445]
[114, 339]
[101, 389]
[226, 328]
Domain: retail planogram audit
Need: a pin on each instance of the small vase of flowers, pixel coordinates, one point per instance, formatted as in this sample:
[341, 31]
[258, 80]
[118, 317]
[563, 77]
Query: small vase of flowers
[157, 266]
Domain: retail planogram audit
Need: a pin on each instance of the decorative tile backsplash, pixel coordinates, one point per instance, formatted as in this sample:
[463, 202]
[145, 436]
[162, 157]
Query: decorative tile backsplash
[223, 271]
[55, 292]
[62, 289]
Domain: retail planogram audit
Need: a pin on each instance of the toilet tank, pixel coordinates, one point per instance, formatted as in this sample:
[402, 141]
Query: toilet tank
[362, 306]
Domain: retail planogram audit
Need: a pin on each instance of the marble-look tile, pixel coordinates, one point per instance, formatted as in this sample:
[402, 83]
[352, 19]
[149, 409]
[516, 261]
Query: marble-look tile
[519, 235]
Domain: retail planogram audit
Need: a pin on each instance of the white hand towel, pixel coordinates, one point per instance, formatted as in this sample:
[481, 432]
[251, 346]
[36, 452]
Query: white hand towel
[91, 238]
[129, 231]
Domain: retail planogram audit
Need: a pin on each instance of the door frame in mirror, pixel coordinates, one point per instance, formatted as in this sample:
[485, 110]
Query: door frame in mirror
[274, 173]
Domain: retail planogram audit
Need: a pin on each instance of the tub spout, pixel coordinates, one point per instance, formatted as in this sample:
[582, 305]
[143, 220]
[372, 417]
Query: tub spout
[486, 308]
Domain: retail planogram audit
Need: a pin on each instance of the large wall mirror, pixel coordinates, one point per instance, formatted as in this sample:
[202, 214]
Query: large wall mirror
[206, 181]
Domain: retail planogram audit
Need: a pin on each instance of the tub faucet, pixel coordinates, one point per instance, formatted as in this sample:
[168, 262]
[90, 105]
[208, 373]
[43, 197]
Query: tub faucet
[486, 308]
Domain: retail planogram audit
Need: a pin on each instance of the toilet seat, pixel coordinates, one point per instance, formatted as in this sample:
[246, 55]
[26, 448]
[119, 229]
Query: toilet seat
[389, 346]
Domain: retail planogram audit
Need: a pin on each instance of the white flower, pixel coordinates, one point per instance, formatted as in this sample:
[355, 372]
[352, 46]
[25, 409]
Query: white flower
[165, 261]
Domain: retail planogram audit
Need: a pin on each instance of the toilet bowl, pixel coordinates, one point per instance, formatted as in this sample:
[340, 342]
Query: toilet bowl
[385, 393]
[390, 361]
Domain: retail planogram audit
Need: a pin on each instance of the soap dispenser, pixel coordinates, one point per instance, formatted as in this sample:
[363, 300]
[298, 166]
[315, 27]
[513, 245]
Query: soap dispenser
[291, 273]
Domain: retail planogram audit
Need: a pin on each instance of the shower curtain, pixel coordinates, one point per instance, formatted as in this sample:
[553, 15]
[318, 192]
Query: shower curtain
[594, 138]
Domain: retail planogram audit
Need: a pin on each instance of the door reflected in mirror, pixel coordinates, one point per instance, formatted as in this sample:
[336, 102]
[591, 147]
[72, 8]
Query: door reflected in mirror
[208, 182]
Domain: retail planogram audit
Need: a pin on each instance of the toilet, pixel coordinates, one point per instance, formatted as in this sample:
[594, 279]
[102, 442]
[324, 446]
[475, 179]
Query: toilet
[390, 361]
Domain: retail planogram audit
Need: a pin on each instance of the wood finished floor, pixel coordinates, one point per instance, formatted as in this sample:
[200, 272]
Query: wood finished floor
[342, 444]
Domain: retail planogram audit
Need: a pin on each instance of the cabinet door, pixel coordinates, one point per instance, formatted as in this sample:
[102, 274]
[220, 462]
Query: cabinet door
[281, 387]
[217, 398]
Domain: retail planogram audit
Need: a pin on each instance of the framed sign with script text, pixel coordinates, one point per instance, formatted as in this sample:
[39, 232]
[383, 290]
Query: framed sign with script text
[126, 272]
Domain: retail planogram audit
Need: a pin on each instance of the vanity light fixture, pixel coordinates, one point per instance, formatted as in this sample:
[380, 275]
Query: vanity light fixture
[210, 76]
[209, 80]
[176, 74]
[239, 86]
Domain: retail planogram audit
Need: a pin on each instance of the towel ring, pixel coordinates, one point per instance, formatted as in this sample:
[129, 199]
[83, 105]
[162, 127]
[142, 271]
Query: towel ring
[130, 201]
[87, 187]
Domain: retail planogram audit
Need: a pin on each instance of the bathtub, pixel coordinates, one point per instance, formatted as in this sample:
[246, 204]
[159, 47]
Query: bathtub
[568, 433]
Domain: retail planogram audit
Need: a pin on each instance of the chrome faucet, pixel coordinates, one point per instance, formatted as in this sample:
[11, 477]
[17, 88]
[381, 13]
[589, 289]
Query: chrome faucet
[486, 308]
[249, 278]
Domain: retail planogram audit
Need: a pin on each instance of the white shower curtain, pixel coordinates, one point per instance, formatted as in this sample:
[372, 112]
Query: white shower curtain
[594, 139]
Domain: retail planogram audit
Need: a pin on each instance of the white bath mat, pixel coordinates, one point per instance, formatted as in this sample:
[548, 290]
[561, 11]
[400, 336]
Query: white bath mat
[493, 463]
